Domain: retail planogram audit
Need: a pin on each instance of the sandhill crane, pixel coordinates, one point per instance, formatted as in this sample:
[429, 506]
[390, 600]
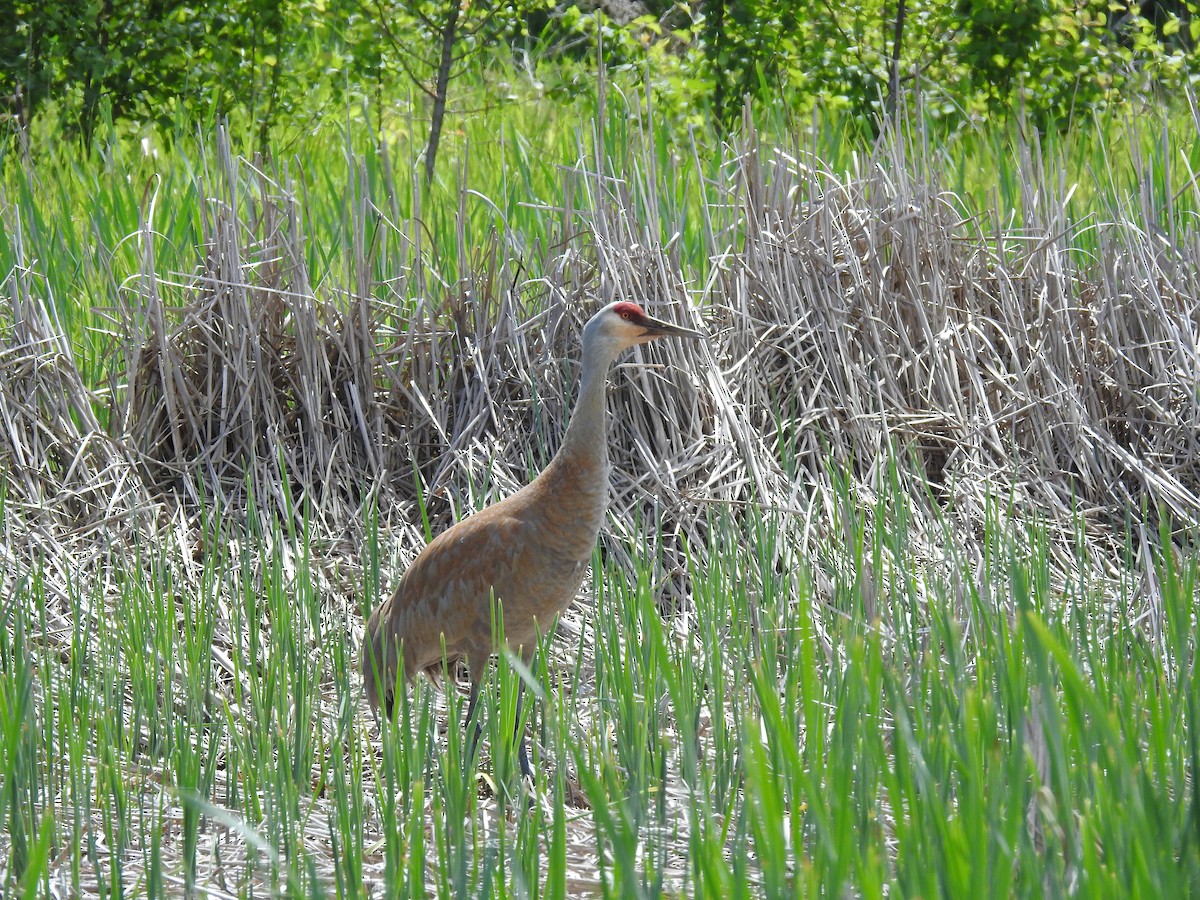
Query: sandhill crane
[529, 551]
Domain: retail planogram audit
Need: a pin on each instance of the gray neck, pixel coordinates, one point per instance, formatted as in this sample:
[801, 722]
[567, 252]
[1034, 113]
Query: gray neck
[587, 435]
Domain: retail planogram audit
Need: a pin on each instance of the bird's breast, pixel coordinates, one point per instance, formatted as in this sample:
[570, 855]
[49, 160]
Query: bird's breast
[573, 537]
[544, 594]
[572, 497]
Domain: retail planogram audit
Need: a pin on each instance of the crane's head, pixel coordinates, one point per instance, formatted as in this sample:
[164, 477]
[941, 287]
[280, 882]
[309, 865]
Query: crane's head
[623, 324]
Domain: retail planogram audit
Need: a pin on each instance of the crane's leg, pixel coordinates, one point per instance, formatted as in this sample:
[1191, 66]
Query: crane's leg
[477, 731]
[523, 748]
[518, 732]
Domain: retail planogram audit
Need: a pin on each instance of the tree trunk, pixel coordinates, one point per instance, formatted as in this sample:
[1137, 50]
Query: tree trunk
[443, 84]
[94, 77]
[716, 8]
[894, 68]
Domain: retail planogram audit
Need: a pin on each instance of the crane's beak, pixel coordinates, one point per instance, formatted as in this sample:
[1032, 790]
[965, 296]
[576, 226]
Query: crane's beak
[656, 328]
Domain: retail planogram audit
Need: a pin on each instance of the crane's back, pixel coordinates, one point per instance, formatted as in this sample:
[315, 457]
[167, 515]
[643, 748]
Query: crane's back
[529, 551]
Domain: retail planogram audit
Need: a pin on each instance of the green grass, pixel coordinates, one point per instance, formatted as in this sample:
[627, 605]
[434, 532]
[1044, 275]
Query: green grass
[73, 221]
[871, 710]
[975, 729]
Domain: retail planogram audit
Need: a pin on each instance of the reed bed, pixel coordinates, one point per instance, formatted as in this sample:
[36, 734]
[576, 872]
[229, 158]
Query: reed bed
[897, 590]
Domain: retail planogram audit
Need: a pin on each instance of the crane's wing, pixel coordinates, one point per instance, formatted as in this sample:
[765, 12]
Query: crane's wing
[449, 587]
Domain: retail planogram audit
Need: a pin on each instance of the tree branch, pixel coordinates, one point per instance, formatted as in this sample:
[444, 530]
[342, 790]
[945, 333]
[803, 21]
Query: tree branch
[889, 109]
[402, 50]
[443, 84]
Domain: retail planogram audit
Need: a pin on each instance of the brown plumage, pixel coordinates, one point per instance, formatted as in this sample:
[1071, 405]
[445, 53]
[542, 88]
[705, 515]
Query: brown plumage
[530, 550]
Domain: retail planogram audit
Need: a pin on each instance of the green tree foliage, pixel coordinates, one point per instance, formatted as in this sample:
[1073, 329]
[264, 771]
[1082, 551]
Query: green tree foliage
[432, 40]
[169, 61]
[1063, 57]
[971, 57]
[144, 59]
[748, 45]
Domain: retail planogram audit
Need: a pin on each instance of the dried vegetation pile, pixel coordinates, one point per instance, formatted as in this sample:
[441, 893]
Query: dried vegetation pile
[857, 321]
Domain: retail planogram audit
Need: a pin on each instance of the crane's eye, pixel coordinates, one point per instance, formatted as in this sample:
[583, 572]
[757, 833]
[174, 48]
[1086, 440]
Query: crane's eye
[625, 315]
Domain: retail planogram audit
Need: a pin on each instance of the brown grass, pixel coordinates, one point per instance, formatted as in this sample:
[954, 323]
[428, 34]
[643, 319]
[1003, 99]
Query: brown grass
[859, 321]
[854, 319]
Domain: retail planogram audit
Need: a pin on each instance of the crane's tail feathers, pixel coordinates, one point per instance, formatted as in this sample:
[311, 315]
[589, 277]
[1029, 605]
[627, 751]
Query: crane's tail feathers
[436, 674]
